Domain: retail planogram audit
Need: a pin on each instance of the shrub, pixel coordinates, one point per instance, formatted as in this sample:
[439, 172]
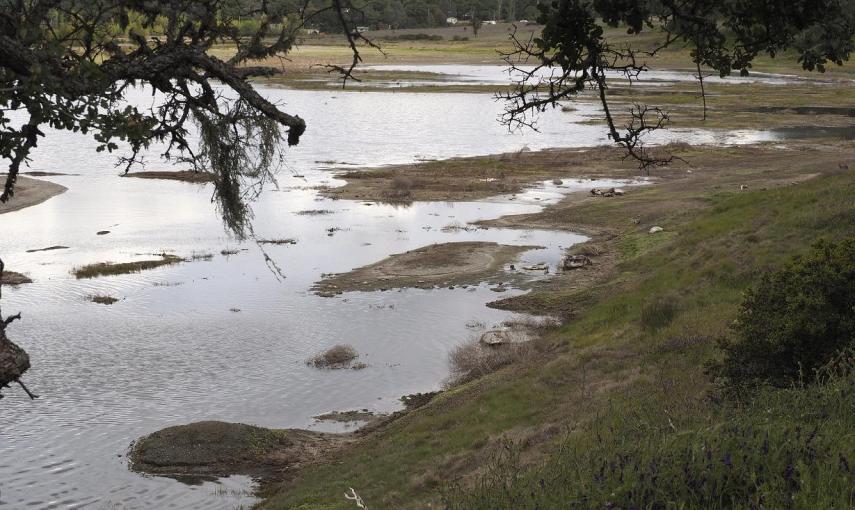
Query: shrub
[338, 356]
[794, 320]
[472, 359]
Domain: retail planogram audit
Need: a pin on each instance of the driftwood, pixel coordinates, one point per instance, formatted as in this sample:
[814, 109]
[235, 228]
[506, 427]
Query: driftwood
[14, 361]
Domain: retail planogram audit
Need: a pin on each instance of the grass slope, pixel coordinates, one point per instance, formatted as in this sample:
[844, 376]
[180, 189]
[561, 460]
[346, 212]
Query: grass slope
[629, 368]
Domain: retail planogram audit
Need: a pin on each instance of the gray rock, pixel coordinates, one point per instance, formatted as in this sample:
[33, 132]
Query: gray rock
[575, 262]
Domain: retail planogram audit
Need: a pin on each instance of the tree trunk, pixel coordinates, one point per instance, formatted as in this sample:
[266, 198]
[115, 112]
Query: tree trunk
[14, 361]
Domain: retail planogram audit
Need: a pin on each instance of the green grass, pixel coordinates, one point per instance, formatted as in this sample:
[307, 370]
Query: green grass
[606, 367]
[786, 449]
[110, 269]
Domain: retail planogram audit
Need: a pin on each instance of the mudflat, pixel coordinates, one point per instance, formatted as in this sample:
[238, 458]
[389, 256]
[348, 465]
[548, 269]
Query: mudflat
[447, 264]
[29, 192]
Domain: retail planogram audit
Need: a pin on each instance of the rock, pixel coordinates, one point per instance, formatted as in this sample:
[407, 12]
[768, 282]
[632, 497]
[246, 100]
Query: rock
[495, 337]
[102, 232]
[619, 192]
[655, 230]
[537, 267]
[575, 262]
[221, 449]
[557, 182]
[604, 192]
[743, 187]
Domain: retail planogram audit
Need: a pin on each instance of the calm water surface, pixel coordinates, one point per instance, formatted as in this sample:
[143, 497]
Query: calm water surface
[176, 350]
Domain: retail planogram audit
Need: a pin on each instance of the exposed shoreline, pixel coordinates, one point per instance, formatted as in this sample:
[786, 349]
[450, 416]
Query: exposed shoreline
[30, 192]
[443, 265]
[177, 175]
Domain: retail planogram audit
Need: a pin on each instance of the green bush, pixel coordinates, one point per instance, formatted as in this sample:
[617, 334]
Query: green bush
[794, 320]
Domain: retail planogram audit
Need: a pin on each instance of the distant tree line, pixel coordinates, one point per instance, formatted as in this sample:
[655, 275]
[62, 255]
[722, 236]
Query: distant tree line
[374, 14]
[394, 14]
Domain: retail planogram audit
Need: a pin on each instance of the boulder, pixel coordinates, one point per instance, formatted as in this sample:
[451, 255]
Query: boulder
[604, 192]
[575, 262]
[537, 267]
[495, 337]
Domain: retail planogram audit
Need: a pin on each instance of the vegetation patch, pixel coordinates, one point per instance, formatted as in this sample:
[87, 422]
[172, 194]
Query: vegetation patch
[336, 357]
[314, 212]
[103, 299]
[475, 359]
[277, 241]
[110, 269]
[416, 400]
[794, 320]
[348, 416]
[182, 175]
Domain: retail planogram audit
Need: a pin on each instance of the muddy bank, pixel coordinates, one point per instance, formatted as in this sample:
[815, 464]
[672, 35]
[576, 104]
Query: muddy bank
[448, 264]
[30, 192]
[183, 176]
[13, 278]
[462, 179]
[215, 449]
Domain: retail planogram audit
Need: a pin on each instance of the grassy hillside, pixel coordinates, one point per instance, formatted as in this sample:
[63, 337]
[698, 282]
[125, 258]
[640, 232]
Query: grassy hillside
[626, 378]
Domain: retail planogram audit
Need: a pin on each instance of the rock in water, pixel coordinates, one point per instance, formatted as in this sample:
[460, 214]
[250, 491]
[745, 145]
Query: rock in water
[213, 448]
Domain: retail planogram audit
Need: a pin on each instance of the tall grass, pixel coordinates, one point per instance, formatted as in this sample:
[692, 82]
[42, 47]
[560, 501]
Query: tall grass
[790, 448]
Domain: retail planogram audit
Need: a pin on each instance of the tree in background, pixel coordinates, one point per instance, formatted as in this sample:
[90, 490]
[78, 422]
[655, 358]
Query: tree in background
[573, 53]
[476, 24]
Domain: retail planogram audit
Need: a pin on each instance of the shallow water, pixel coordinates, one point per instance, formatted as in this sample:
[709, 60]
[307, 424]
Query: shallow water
[499, 75]
[172, 350]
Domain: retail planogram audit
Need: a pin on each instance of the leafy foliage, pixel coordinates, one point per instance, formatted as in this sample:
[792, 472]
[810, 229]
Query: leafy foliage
[795, 319]
[68, 65]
